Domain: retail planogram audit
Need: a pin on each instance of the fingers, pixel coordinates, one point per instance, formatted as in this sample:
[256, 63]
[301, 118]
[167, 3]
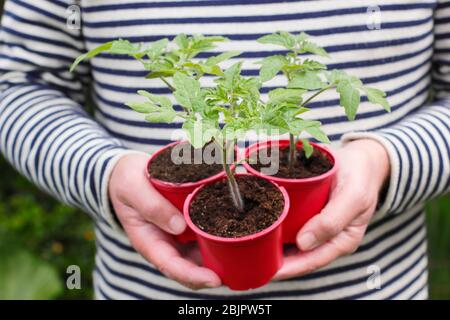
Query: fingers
[309, 261]
[343, 207]
[130, 187]
[158, 210]
[159, 249]
[346, 242]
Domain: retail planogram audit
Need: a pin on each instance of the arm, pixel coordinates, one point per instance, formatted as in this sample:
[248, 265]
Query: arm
[411, 158]
[45, 132]
[48, 136]
[418, 146]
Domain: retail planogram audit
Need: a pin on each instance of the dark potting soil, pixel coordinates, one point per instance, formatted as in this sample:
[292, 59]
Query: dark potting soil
[213, 211]
[303, 167]
[163, 168]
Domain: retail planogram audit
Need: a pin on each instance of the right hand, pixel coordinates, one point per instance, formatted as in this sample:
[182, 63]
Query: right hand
[148, 219]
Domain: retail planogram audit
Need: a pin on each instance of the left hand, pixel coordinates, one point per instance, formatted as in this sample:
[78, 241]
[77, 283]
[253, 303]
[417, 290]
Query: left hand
[340, 227]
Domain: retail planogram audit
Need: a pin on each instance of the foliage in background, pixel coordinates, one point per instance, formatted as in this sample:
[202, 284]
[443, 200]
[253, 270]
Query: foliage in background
[39, 239]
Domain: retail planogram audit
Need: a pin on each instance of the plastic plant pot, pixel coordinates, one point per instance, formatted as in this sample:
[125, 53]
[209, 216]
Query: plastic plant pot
[246, 262]
[308, 196]
[177, 193]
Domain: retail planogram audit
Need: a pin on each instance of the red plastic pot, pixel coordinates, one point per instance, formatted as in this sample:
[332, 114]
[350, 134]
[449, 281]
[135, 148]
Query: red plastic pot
[177, 193]
[246, 262]
[308, 196]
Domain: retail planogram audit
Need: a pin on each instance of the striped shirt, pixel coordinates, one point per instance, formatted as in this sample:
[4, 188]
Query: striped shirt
[401, 47]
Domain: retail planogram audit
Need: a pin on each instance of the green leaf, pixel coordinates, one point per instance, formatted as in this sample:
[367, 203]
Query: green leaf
[281, 95]
[161, 116]
[377, 96]
[157, 48]
[124, 47]
[200, 131]
[181, 41]
[142, 107]
[270, 67]
[188, 92]
[308, 80]
[313, 65]
[349, 98]
[318, 133]
[89, 55]
[161, 74]
[214, 70]
[161, 100]
[307, 148]
[212, 61]
[232, 75]
[281, 38]
[314, 49]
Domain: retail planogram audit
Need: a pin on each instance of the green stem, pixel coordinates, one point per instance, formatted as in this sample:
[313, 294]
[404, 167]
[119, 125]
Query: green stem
[168, 84]
[292, 151]
[232, 183]
[315, 95]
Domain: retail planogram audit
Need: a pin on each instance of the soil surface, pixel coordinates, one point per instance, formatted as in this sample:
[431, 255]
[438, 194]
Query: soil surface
[163, 168]
[213, 211]
[303, 167]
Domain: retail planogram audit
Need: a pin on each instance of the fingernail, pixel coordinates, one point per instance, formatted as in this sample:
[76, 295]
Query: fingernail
[211, 285]
[307, 241]
[177, 224]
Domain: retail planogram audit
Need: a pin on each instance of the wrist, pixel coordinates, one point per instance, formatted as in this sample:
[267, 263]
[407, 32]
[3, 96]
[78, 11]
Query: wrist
[377, 155]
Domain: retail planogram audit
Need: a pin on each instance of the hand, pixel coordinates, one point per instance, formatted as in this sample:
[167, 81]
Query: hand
[340, 227]
[148, 219]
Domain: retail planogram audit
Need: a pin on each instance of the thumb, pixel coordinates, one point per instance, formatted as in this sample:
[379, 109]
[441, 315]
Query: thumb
[341, 209]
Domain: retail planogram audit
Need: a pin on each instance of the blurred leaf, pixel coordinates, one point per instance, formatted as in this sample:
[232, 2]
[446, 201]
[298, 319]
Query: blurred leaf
[26, 277]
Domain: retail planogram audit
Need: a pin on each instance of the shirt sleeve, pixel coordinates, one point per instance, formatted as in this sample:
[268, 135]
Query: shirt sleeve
[45, 132]
[418, 146]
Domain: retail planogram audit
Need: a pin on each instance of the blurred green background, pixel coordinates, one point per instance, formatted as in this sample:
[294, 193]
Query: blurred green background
[40, 238]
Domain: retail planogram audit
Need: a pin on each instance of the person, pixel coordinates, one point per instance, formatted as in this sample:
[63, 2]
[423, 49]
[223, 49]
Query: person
[369, 242]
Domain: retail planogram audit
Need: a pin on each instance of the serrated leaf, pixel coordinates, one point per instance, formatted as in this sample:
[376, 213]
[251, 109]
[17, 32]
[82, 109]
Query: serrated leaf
[232, 75]
[160, 74]
[142, 107]
[270, 67]
[188, 93]
[157, 48]
[92, 53]
[280, 38]
[182, 41]
[161, 100]
[308, 80]
[200, 131]
[281, 95]
[318, 134]
[211, 61]
[161, 116]
[349, 98]
[307, 148]
[214, 70]
[124, 47]
[377, 96]
[314, 49]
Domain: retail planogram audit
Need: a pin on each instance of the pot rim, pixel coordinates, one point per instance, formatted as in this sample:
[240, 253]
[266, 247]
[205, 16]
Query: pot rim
[239, 240]
[175, 185]
[264, 144]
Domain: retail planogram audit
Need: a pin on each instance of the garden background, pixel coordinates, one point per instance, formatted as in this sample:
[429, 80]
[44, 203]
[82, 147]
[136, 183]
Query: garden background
[40, 238]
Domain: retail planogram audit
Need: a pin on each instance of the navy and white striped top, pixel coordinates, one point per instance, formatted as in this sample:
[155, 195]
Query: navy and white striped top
[48, 136]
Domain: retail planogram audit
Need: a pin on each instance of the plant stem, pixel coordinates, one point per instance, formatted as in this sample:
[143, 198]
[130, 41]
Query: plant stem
[168, 84]
[292, 151]
[232, 183]
[315, 95]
